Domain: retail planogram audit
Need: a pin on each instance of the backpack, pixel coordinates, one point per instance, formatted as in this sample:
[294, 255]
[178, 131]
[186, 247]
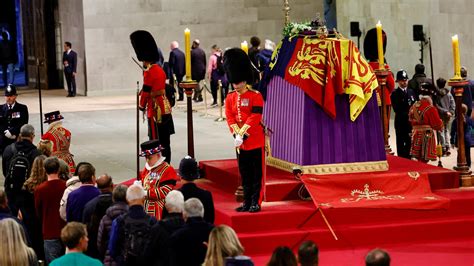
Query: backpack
[136, 238]
[220, 65]
[18, 170]
[170, 92]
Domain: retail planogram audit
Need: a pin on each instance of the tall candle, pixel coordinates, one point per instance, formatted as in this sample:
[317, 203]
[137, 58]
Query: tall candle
[244, 46]
[380, 45]
[187, 52]
[456, 58]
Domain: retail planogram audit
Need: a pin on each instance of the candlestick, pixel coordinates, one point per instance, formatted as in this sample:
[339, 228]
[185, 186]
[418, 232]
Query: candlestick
[244, 46]
[187, 50]
[456, 58]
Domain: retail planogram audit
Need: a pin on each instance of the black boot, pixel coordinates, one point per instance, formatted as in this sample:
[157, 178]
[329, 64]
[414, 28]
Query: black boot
[243, 208]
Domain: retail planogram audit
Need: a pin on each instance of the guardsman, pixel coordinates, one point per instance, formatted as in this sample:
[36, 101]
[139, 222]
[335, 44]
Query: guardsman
[13, 115]
[244, 108]
[158, 177]
[153, 95]
[60, 137]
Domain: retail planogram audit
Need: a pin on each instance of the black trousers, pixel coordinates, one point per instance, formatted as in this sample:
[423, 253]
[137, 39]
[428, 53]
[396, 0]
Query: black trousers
[403, 139]
[162, 132]
[251, 171]
[71, 83]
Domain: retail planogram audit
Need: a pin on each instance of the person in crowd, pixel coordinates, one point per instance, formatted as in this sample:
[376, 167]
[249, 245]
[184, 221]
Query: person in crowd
[415, 82]
[243, 109]
[60, 137]
[468, 125]
[8, 58]
[27, 205]
[158, 177]
[78, 198]
[45, 146]
[282, 256]
[265, 55]
[446, 109]
[189, 171]
[177, 66]
[198, 68]
[4, 210]
[95, 209]
[158, 251]
[15, 169]
[70, 68]
[308, 254]
[13, 115]
[14, 249]
[119, 207]
[188, 243]
[74, 237]
[64, 173]
[425, 119]
[402, 99]
[215, 72]
[72, 184]
[129, 235]
[254, 50]
[377, 257]
[467, 92]
[224, 248]
[47, 198]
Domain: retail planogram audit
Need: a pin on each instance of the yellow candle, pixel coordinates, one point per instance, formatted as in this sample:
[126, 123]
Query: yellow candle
[457, 60]
[380, 45]
[244, 46]
[187, 52]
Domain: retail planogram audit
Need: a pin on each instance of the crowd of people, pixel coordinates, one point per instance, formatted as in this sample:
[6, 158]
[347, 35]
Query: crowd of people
[425, 114]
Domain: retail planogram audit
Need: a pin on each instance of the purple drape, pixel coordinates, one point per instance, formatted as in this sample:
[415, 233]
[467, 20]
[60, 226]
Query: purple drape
[303, 133]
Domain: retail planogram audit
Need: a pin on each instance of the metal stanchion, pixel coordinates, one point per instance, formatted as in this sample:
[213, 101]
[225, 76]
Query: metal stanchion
[219, 101]
[204, 93]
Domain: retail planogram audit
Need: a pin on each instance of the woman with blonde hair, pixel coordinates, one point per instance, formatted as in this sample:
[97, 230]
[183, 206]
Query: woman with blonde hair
[27, 211]
[45, 146]
[13, 248]
[224, 248]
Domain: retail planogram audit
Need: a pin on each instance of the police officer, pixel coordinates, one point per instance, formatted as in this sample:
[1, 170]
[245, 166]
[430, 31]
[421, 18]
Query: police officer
[402, 99]
[13, 116]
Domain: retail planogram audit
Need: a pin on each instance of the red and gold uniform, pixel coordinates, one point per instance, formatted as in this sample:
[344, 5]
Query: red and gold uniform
[158, 182]
[244, 118]
[61, 139]
[158, 109]
[425, 119]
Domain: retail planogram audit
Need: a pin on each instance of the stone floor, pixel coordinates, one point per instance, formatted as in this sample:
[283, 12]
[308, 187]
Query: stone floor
[104, 130]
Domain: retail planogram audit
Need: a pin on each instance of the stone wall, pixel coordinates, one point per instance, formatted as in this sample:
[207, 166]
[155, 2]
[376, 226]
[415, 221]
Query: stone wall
[71, 20]
[440, 19]
[108, 24]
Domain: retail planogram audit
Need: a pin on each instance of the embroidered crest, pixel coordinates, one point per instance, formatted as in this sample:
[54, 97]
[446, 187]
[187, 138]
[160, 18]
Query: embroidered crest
[245, 102]
[366, 194]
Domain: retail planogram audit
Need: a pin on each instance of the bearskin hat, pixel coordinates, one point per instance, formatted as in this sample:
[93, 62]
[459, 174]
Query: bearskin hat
[370, 44]
[145, 46]
[237, 66]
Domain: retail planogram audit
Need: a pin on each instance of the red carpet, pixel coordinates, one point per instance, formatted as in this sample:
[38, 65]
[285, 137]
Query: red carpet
[285, 220]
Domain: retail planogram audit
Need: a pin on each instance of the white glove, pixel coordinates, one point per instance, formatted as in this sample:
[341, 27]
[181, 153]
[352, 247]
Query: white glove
[9, 135]
[238, 141]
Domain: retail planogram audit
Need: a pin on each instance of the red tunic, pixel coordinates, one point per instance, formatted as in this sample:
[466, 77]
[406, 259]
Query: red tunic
[246, 109]
[424, 118]
[158, 183]
[154, 79]
[61, 139]
[390, 84]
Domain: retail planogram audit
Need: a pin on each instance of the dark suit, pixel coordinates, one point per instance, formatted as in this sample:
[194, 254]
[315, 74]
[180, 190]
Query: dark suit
[190, 190]
[401, 103]
[198, 69]
[177, 67]
[70, 67]
[187, 244]
[11, 120]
